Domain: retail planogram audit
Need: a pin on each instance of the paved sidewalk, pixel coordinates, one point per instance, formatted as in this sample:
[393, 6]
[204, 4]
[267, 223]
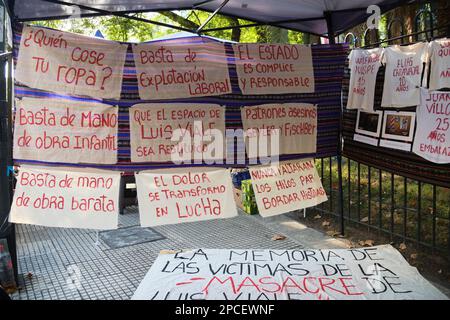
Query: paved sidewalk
[48, 256]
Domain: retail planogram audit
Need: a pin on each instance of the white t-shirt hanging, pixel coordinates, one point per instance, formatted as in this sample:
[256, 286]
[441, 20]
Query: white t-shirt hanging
[432, 140]
[440, 64]
[402, 80]
[364, 65]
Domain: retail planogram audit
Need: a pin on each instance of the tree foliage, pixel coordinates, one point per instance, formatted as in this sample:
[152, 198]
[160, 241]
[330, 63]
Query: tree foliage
[123, 29]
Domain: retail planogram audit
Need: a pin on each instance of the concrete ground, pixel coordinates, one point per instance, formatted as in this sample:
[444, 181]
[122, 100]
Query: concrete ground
[56, 263]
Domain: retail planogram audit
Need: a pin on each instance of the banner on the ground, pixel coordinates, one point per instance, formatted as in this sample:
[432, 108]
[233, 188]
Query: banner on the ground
[172, 69]
[68, 132]
[274, 68]
[286, 186]
[65, 197]
[178, 195]
[292, 125]
[176, 132]
[375, 273]
[69, 63]
[432, 140]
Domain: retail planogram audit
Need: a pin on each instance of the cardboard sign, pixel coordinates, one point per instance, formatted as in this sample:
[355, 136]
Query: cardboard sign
[432, 140]
[235, 274]
[286, 186]
[62, 131]
[274, 68]
[159, 131]
[296, 124]
[69, 63]
[184, 195]
[68, 198]
[171, 69]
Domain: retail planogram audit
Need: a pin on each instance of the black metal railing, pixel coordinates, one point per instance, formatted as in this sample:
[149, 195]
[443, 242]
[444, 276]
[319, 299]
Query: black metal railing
[403, 209]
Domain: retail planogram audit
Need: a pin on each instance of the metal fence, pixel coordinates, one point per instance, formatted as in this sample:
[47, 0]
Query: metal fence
[424, 27]
[362, 195]
[403, 209]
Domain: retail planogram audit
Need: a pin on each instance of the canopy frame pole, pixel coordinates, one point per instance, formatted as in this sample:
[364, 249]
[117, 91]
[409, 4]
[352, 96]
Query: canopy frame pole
[256, 24]
[202, 3]
[122, 15]
[332, 40]
[211, 16]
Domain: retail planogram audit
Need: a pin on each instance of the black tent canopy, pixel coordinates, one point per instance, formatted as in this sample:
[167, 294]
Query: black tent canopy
[320, 17]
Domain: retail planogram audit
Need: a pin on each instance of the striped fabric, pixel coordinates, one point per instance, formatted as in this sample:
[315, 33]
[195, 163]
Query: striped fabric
[328, 62]
[400, 162]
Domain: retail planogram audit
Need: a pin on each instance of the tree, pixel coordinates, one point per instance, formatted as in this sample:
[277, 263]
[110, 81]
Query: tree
[217, 22]
[269, 34]
[443, 18]
[123, 29]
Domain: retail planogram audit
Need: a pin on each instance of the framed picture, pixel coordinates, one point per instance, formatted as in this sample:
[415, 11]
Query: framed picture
[369, 123]
[399, 125]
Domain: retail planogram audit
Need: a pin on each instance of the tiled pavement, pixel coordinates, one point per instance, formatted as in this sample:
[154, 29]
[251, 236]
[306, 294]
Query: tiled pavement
[49, 258]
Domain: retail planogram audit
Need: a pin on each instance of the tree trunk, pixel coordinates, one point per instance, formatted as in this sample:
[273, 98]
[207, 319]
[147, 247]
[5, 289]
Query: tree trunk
[406, 14]
[269, 34]
[443, 18]
[180, 20]
[236, 32]
[309, 38]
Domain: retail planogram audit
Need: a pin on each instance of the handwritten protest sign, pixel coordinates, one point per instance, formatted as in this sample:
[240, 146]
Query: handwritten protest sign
[432, 140]
[235, 274]
[172, 69]
[62, 131]
[364, 65]
[180, 195]
[64, 62]
[274, 68]
[296, 124]
[68, 198]
[154, 138]
[286, 186]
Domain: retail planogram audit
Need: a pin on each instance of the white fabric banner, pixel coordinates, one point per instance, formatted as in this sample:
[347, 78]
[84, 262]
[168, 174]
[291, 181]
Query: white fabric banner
[292, 125]
[176, 69]
[364, 65]
[66, 197]
[432, 140]
[274, 68]
[286, 186]
[65, 131]
[180, 195]
[374, 273]
[69, 63]
[440, 64]
[404, 67]
[162, 132]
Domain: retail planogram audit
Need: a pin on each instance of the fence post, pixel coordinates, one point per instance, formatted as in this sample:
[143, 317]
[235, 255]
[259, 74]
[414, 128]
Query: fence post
[331, 39]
